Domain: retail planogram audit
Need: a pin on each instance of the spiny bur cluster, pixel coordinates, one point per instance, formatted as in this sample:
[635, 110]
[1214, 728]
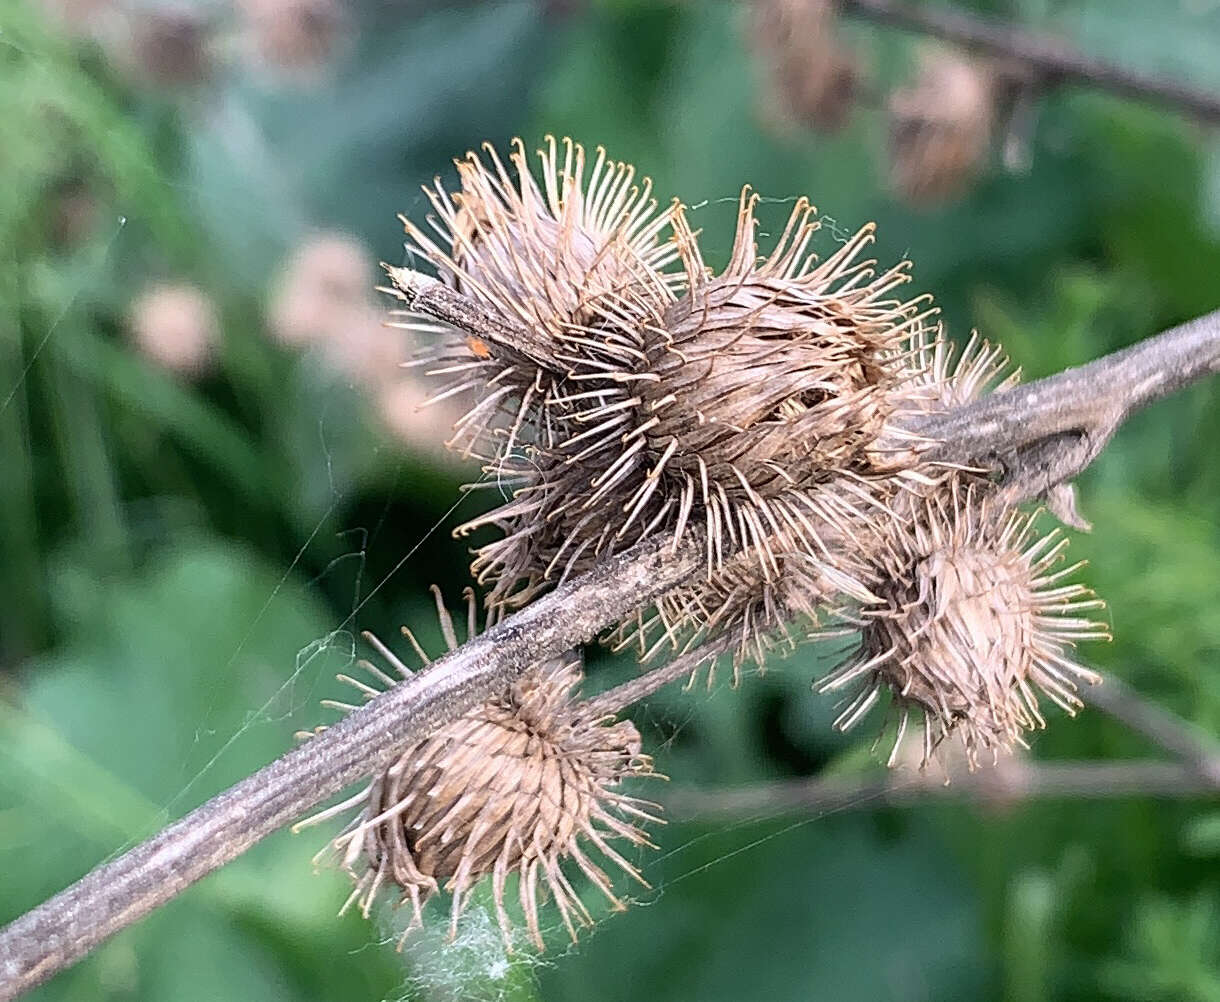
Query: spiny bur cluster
[975, 620]
[654, 399]
[622, 388]
[759, 409]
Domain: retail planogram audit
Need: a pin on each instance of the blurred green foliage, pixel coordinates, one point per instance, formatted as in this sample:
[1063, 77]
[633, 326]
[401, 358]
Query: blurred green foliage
[186, 562]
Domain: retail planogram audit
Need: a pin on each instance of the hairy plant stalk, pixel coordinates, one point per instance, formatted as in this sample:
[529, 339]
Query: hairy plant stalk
[1040, 435]
[1051, 60]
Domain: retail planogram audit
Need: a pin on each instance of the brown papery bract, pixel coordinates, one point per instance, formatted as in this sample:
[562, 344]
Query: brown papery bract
[811, 78]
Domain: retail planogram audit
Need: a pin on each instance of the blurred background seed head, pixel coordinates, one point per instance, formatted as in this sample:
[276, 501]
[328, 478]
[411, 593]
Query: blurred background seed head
[176, 327]
[207, 486]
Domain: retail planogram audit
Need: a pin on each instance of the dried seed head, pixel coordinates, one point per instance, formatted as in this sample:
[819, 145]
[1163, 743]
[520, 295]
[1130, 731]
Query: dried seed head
[757, 386]
[294, 38]
[522, 784]
[75, 212]
[812, 78]
[176, 327]
[782, 370]
[323, 300]
[169, 47]
[321, 286]
[975, 619]
[399, 405]
[941, 126]
[555, 255]
[564, 255]
[807, 596]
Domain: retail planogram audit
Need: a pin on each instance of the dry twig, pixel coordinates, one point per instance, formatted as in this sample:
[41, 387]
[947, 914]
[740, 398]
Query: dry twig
[1017, 781]
[1195, 774]
[1049, 59]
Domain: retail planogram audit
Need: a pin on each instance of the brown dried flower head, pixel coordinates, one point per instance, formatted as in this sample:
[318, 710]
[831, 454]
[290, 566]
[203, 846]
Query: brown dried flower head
[564, 255]
[323, 300]
[176, 327]
[169, 46]
[941, 127]
[520, 785]
[809, 594]
[812, 78]
[321, 286]
[976, 620]
[294, 38]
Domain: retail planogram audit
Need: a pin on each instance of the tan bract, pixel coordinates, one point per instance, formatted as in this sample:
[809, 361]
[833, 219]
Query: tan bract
[521, 785]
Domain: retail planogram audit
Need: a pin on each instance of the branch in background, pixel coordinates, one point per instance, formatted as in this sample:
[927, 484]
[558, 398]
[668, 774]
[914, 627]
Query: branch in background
[1018, 428]
[1012, 780]
[1179, 737]
[1196, 774]
[1053, 61]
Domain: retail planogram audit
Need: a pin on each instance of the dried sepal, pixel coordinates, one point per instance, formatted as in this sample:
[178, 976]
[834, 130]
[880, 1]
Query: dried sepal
[940, 128]
[523, 785]
[976, 620]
